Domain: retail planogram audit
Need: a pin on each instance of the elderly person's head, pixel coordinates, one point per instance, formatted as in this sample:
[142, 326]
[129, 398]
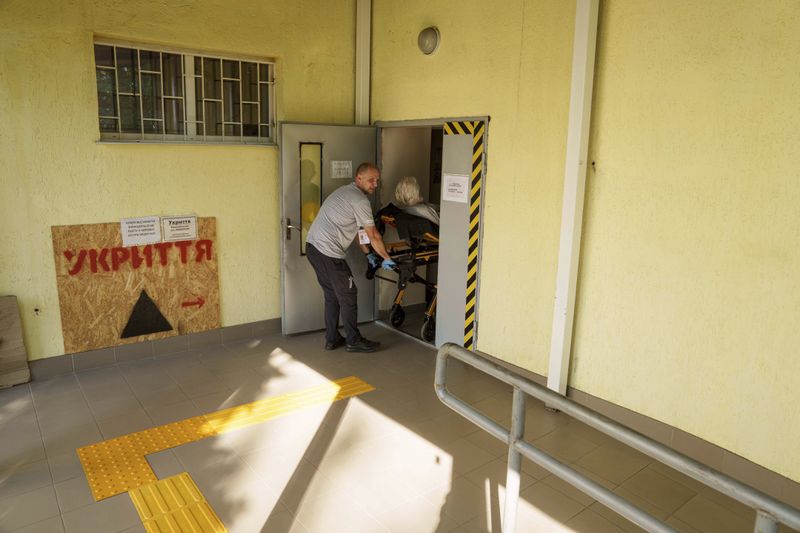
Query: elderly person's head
[407, 191]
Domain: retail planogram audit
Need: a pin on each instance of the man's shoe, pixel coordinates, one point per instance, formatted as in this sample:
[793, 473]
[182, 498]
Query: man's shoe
[338, 343]
[363, 346]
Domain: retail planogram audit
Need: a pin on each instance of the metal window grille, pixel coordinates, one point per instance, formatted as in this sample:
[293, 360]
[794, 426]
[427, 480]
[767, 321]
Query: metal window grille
[160, 95]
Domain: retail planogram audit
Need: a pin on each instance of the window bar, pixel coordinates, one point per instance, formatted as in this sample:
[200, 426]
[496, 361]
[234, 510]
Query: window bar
[260, 123]
[107, 68]
[141, 108]
[163, 111]
[203, 98]
[222, 97]
[258, 103]
[269, 103]
[241, 106]
[271, 98]
[116, 93]
[261, 104]
[189, 109]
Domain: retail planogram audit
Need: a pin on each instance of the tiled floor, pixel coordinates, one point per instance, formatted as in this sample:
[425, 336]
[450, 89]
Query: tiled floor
[394, 459]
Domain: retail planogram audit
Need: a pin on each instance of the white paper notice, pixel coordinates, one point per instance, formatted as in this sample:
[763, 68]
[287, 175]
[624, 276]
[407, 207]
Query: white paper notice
[342, 170]
[179, 228]
[455, 188]
[140, 231]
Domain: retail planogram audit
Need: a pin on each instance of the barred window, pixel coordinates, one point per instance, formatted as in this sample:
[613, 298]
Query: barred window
[151, 95]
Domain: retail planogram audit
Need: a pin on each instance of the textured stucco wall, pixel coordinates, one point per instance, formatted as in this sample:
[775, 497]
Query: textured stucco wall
[509, 60]
[53, 172]
[688, 292]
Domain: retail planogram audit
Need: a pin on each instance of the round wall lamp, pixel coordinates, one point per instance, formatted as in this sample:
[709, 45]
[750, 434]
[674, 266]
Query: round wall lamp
[428, 40]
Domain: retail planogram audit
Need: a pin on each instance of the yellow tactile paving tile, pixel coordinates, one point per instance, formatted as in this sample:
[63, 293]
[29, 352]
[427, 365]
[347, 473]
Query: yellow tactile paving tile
[174, 505]
[109, 474]
[118, 465]
[263, 410]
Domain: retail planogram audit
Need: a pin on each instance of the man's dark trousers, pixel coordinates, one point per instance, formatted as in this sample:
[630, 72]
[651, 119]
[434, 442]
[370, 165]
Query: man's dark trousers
[341, 294]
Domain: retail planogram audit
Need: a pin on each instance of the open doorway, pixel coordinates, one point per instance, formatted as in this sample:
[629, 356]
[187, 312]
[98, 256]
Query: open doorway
[448, 160]
[411, 151]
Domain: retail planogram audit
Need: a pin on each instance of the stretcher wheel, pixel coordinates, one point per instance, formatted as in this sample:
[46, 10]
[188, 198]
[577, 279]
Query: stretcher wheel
[428, 331]
[397, 315]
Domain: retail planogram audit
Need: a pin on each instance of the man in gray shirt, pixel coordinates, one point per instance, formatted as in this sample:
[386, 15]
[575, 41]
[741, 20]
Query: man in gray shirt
[345, 214]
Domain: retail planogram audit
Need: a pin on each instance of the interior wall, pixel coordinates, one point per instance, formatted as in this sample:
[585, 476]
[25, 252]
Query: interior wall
[405, 151]
[687, 291]
[54, 172]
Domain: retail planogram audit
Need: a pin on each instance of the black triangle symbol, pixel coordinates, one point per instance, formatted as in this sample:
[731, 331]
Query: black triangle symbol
[145, 318]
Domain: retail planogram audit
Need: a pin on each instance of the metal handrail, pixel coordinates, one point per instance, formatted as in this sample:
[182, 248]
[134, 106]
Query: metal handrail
[769, 511]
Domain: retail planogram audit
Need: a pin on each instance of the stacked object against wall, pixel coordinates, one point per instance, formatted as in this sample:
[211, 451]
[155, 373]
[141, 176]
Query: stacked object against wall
[13, 356]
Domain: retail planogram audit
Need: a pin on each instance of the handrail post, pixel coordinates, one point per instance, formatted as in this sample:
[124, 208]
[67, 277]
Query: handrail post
[765, 523]
[516, 433]
[770, 512]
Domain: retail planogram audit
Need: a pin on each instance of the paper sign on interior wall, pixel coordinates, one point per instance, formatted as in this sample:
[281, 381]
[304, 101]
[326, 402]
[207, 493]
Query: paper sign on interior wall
[455, 188]
[179, 228]
[342, 170]
[140, 231]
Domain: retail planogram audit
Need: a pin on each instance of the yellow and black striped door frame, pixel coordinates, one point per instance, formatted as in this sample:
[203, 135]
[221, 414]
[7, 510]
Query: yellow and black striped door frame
[476, 129]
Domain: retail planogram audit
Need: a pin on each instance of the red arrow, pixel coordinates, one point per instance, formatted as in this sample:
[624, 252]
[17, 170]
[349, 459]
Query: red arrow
[199, 303]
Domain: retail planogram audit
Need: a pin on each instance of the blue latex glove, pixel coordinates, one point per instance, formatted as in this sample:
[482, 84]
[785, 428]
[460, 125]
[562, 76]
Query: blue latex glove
[388, 264]
[373, 259]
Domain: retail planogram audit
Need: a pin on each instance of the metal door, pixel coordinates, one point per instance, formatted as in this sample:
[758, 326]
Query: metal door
[316, 160]
[463, 168]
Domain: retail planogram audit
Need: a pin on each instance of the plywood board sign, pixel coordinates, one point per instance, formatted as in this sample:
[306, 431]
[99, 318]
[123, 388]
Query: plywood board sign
[111, 295]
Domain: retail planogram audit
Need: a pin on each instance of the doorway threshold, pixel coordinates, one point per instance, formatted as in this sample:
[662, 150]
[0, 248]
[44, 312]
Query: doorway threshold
[388, 326]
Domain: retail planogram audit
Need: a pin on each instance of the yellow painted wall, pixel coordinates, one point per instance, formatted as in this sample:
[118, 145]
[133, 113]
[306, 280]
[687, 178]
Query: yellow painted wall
[689, 292]
[512, 61]
[688, 289]
[53, 172]
[689, 298]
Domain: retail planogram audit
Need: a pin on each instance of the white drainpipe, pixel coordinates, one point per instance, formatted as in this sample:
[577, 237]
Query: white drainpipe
[363, 58]
[580, 111]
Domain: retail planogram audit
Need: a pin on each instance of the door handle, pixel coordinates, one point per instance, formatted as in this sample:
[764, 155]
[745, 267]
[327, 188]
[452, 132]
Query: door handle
[289, 229]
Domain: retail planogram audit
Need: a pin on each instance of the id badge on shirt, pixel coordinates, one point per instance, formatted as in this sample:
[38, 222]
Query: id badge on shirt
[363, 238]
